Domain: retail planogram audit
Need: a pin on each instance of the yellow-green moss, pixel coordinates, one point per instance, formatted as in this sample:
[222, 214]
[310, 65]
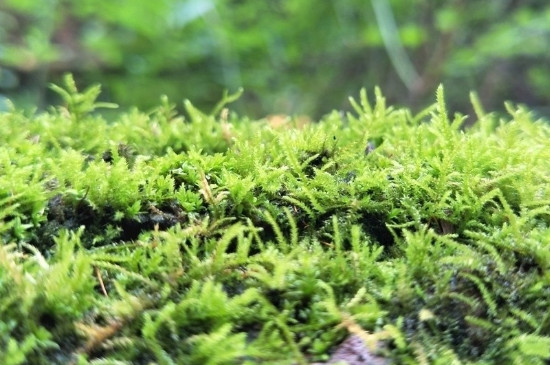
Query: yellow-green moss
[217, 240]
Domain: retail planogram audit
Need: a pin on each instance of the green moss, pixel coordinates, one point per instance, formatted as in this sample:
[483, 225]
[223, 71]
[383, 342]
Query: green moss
[218, 240]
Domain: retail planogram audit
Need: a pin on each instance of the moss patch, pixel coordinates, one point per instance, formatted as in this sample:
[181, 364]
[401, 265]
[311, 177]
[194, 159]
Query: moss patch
[218, 240]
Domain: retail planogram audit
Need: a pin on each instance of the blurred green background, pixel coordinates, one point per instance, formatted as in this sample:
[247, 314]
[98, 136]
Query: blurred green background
[291, 56]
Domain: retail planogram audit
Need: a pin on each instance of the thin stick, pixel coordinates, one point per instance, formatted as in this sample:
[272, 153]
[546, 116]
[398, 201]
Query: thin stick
[98, 274]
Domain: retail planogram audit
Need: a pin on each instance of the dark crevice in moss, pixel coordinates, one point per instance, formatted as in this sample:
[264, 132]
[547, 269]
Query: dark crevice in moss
[65, 213]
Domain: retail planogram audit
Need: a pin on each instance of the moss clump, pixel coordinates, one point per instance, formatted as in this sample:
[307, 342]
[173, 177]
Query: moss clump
[217, 240]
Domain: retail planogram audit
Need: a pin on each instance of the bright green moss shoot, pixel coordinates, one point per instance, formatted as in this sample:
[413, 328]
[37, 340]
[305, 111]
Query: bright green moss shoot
[212, 239]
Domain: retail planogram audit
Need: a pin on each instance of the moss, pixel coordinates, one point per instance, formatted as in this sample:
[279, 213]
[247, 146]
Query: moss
[213, 239]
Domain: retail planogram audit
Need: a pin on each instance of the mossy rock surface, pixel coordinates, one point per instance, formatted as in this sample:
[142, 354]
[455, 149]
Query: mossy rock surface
[212, 239]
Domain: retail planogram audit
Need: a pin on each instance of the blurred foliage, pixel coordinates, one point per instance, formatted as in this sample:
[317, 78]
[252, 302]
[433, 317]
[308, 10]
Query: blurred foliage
[291, 56]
